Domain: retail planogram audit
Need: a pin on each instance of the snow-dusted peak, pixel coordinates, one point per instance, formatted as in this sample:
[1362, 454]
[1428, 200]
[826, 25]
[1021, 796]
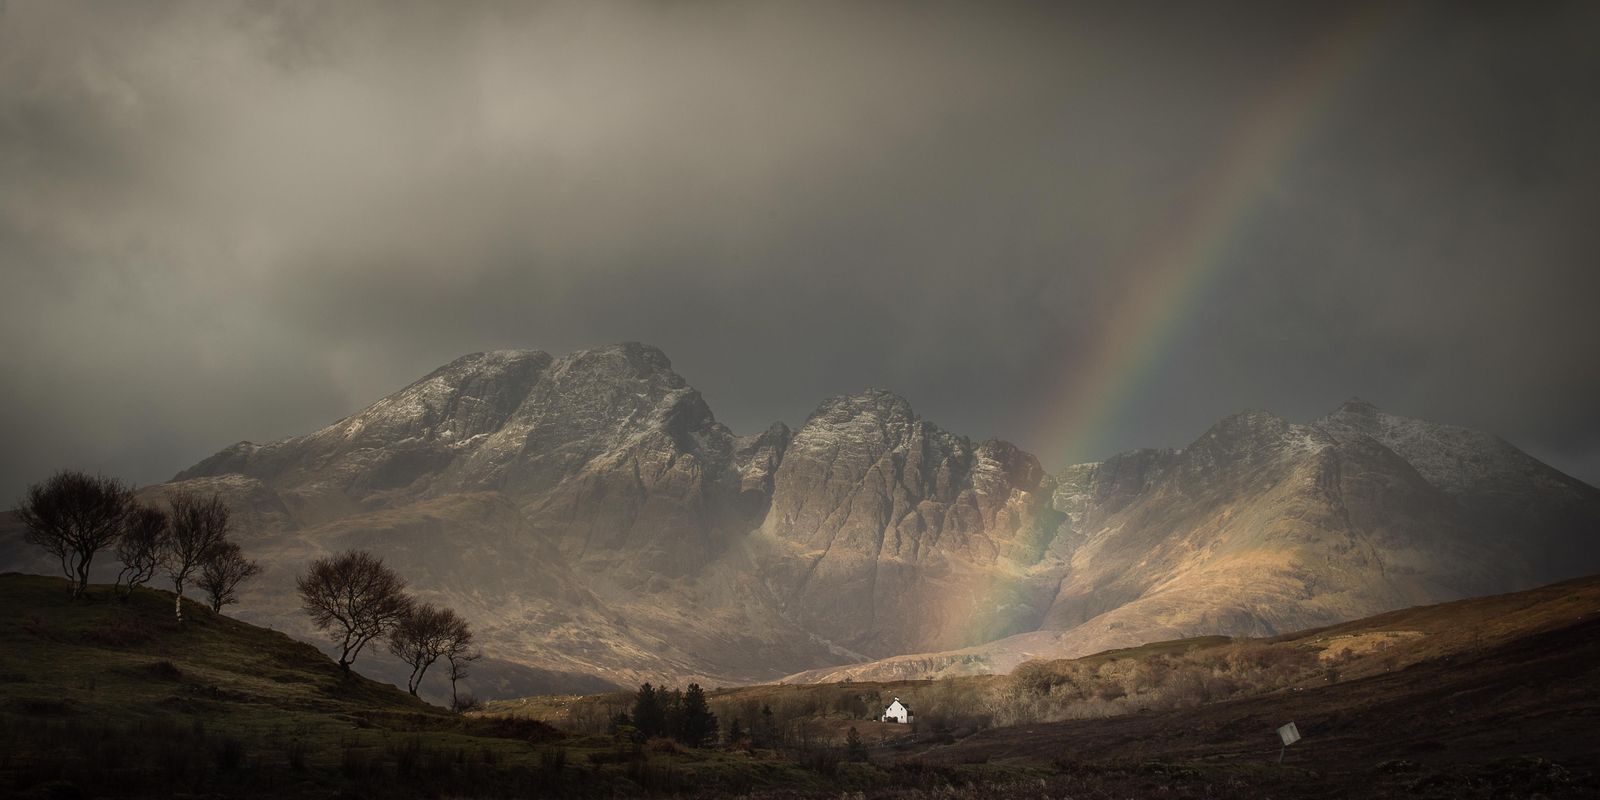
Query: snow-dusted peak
[875, 419]
[228, 460]
[1255, 433]
[1358, 407]
[1250, 420]
[1506, 493]
[880, 405]
[467, 397]
[1452, 458]
[620, 362]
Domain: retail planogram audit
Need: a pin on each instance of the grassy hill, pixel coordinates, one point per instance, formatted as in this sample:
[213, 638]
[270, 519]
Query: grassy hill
[104, 697]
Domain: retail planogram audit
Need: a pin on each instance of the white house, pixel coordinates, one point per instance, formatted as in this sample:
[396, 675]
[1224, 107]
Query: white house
[897, 712]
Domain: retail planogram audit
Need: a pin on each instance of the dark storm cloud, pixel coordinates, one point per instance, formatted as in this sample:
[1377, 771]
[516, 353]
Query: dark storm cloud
[226, 221]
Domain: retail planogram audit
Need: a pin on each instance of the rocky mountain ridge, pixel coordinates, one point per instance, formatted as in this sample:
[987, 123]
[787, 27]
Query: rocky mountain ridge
[1262, 526]
[594, 520]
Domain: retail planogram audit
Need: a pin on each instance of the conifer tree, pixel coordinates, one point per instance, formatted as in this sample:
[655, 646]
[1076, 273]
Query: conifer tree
[648, 715]
[697, 726]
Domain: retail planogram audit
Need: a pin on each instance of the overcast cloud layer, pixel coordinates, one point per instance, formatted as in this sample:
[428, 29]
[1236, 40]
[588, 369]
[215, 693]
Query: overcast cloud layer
[223, 222]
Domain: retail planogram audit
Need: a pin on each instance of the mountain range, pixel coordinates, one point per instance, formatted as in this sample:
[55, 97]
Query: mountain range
[598, 526]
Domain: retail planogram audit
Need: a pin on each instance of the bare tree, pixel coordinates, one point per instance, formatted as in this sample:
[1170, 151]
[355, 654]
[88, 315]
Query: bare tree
[355, 598]
[224, 569]
[199, 526]
[73, 515]
[142, 545]
[423, 636]
[460, 657]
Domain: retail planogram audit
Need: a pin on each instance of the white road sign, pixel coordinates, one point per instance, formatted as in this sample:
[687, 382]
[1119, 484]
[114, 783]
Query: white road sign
[1289, 734]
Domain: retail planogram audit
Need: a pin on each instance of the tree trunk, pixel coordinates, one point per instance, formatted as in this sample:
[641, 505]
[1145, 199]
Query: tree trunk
[455, 702]
[416, 676]
[177, 604]
[83, 579]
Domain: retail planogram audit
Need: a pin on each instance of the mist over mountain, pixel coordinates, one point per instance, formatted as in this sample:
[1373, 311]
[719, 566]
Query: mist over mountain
[596, 523]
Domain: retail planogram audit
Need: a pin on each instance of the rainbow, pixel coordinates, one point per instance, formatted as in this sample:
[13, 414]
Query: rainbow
[1166, 277]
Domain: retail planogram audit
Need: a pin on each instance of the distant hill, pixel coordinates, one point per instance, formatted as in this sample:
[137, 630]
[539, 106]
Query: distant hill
[599, 527]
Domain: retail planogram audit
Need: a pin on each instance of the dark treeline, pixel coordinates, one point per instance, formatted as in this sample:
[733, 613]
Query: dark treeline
[803, 719]
[794, 722]
[683, 716]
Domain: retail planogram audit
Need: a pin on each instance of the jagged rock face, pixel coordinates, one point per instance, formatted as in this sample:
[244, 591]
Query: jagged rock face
[757, 458]
[893, 534]
[1085, 492]
[618, 461]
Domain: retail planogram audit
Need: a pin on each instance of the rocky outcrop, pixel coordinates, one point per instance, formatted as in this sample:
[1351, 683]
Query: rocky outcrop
[892, 534]
[757, 458]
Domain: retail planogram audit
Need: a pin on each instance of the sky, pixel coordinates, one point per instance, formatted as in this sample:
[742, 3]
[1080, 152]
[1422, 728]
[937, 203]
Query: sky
[1081, 227]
